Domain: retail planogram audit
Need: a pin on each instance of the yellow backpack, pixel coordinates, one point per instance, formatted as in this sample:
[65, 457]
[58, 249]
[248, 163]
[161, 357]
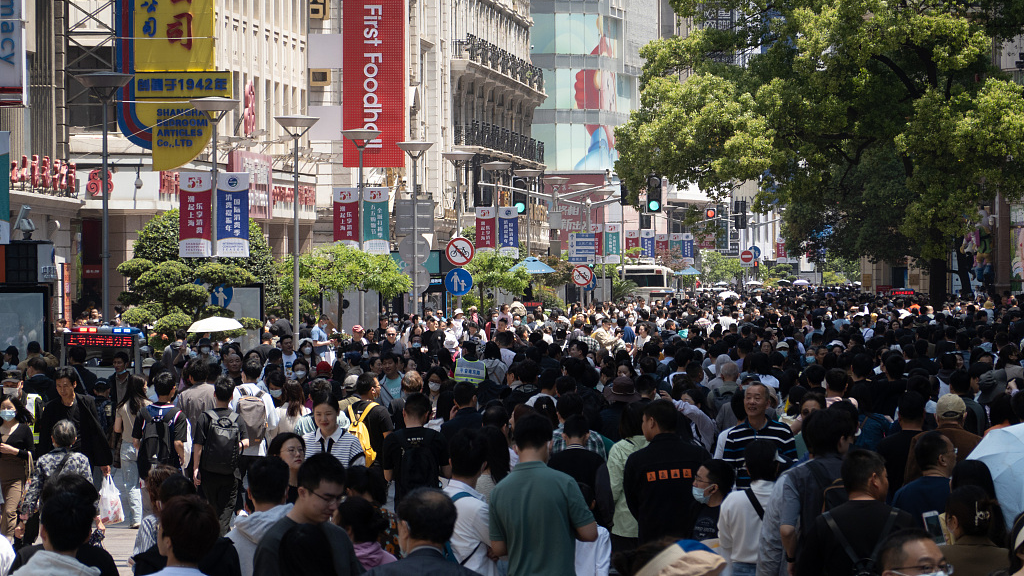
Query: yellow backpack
[362, 433]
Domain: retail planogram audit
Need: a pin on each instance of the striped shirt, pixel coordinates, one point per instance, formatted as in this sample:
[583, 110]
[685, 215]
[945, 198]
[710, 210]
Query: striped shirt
[737, 440]
[342, 445]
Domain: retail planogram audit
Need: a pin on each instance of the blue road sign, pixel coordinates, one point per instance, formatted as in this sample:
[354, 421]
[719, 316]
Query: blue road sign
[458, 282]
[592, 285]
[756, 251]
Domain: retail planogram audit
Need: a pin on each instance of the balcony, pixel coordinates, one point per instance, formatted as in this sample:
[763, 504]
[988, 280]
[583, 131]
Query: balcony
[486, 135]
[495, 59]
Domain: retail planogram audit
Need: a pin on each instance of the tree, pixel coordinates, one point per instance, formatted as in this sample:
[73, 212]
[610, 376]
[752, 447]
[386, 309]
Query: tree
[491, 270]
[848, 268]
[717, 268]
[158, 242]
[880, 126]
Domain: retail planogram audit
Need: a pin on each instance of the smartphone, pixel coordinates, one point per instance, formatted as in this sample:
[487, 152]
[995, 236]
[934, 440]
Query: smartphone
[934, 527]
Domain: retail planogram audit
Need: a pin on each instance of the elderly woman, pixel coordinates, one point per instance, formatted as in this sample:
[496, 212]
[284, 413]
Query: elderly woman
[58, 462]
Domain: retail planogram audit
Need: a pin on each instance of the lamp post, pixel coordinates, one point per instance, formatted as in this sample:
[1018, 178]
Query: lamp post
[103, 86]
[556, 182]
[460, 159]
[415, 149]
[360, 138]
[214, 108]
[296, 126]
[533, 174]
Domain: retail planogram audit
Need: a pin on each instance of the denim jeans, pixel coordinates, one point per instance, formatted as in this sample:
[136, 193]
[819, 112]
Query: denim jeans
[744, 569]
[127, 480]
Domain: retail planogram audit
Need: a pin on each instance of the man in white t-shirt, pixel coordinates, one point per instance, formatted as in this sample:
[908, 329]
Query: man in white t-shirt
[471, 539]
[288, 355]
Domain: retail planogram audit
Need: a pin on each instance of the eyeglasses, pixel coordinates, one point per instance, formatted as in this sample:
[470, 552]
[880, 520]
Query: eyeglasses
[329, 499]
[944, 568]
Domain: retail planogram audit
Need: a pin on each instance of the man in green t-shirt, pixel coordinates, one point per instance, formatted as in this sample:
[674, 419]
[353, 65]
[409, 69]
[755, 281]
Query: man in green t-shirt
[536, 513]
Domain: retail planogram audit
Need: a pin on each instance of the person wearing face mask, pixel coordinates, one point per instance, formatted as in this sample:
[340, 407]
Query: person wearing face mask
[15, 445]
[319, 338]
[300, 373]
[711, 484]
[307, 352]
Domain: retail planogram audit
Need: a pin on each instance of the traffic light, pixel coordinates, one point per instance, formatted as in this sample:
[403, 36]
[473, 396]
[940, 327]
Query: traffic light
[645, 221]
[739, 221]
[710, 214]
[519, 198]
[654, 193]
[623, 194]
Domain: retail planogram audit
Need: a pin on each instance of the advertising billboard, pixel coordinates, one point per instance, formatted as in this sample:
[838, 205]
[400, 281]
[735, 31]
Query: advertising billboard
[13, 57]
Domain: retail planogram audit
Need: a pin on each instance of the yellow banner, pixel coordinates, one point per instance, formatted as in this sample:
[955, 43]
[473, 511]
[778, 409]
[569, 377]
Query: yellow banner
[174, 35]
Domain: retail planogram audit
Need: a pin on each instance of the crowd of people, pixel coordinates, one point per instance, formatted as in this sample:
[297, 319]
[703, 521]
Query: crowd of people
[782, 433]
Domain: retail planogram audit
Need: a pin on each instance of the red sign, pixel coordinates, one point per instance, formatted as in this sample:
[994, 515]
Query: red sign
[708, 243]
[780, 248]
[574, 218]
[346, 215]
[194, 216]
[485, 228]
[901, 292]
[91, 271]
[373, 33]
[632, 239]
[598, 231]
[882, 288]
[95, 184]
[459, 251]
[582, 275]
[661, 242]
[746, 256]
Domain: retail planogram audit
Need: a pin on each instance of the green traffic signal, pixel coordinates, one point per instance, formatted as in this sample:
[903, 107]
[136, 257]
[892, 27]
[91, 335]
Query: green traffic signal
[653, 206]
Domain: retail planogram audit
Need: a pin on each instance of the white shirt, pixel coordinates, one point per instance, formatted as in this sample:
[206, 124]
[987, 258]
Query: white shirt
[253, 389]
[594, 558]
[471, 529]
[507, 356]
[739, 526]
[287, 360]
[533, 399]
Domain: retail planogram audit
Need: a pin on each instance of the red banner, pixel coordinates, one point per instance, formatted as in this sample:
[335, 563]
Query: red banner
[194, 216]
[598, 231]
[661, 243]
[632, 239]
[374, 79]
[780, 248]
[485, 228]
[346, 215]
[708, 242]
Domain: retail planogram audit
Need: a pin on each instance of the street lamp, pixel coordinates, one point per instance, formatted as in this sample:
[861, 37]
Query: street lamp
[415, 150]
[360, 138]
[532, 173]
[460, 159]
[296, 125]
[103, 86]
[214, 108]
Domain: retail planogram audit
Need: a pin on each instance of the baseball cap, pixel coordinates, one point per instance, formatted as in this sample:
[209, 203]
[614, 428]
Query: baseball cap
[357, 328]
[782, 346]
[950, 406]
[323, 368]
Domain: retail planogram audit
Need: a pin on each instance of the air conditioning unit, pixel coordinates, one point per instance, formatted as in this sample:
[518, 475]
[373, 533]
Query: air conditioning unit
[320, 77]
[318, 9]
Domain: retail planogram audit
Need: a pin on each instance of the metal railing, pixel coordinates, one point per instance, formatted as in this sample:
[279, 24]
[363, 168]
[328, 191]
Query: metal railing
[499, 60]
[487, 135]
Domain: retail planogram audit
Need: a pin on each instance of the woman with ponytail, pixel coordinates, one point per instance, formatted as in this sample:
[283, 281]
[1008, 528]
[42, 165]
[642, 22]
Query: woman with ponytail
[975, 523]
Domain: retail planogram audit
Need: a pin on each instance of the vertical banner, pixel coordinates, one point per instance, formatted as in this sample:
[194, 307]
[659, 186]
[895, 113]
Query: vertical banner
[373, 33]
[194, 215]
[376, 219]
[661, 243]
[675, 242]
[14, 70]
[598, 231]
[508, 231]
[780, 248]
[687, 249]
[485, 233]
[612, 246]
[5, 189]
[346, 216]
[632, 239]
[647, 243]
[233, 214]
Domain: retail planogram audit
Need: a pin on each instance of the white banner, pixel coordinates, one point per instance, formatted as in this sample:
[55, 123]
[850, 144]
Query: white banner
[13, 67]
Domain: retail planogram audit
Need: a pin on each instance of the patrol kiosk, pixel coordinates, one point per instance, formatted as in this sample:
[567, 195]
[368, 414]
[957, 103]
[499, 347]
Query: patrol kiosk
[101, 343]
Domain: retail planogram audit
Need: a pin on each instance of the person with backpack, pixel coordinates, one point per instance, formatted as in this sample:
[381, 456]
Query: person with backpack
[370, 421]
[160, 431]
[218, 440]
[255, 407]
[847, 539]
[132, 403]
[415, 456]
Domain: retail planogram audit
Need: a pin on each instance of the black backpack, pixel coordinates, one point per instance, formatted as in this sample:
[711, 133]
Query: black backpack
[157, 444]
[418, 467]
[220, 452]
[862, 566]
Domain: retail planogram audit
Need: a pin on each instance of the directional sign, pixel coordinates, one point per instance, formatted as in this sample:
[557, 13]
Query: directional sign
[756, 251]
[582, 275]
[459, 251]
[746, 259]
[592, 286]
[458, 282]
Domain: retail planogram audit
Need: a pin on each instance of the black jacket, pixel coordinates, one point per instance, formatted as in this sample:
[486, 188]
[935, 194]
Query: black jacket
[92, 441]
[658, 482]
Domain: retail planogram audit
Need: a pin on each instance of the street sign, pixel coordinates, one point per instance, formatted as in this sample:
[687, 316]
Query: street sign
[592, 286]
[405, 248]
[747, 259]
[459, 251]
[582, 248]
[403, 216]
[458, 282]
[582, 275]
[756, 251]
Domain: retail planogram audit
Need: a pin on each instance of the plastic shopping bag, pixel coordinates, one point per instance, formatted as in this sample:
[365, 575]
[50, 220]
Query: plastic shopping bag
[110, 503]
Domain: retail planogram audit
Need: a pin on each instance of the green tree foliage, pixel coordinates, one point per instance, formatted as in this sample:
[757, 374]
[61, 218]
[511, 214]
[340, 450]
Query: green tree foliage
[717, 268]
[879, 125]
[491, 270]
[848, 268]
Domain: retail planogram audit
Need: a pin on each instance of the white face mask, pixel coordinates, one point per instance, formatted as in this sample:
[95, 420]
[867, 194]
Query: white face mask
[300, 374]
[434, 386]
[276, 393]
[204, 350]
[8, 391]
[307, 350]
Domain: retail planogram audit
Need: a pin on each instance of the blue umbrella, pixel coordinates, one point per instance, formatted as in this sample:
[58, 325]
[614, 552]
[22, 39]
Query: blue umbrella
[533, 265]
[688, 271]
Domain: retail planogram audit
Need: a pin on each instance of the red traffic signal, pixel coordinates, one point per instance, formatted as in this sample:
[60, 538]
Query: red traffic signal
[710, 213]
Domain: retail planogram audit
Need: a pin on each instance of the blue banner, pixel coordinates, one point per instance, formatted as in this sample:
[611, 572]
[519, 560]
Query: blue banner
[508, 231]
[232, 214]
[687, 249]
[647, 243]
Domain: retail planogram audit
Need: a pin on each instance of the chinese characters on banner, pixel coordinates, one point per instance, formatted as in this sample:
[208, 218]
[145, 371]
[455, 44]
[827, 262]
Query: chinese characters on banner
[346, 216]
[675, 242]
[508, 231]
[632, 239]
[233, 214]
[612, 247]
[376, 218]
[661, 243]
[780, 248]
[647, 243]
[598, 231]
[708, 242]
[194, 215]
[687, 249]
[485, 233]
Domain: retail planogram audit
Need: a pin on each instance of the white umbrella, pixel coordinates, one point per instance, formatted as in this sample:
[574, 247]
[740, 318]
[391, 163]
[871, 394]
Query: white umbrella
[215, 324]
[728, 294]
[721, 283]
[1002, 451]
[753, 283]
[801, 282]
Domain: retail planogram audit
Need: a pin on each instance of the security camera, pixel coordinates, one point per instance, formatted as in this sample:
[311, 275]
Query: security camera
[23, 222]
